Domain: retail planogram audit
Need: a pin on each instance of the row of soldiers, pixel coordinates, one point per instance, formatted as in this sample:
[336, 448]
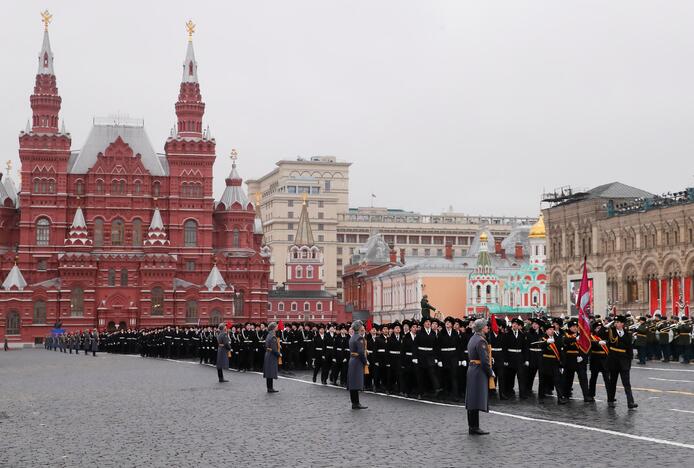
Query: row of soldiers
[84, 340]
[411, 358]
[660, 338]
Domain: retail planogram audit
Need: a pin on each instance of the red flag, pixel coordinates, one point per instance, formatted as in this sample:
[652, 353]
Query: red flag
[369, 325]
[495, 325]
[280, 325]
[583, 306]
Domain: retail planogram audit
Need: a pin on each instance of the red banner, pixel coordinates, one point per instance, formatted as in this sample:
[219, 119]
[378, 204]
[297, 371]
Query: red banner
[583, 306]
[687, 294]
[653, 295]
[663, 296]
[675, 296]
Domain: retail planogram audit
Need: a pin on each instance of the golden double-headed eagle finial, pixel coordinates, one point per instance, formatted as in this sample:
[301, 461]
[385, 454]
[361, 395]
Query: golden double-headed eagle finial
[46, 18]
[304, 197]
[190, 27]
[9, 166]
[234, 155]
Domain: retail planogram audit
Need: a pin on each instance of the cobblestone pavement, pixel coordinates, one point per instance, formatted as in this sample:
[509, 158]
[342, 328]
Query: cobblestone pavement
[67, 410]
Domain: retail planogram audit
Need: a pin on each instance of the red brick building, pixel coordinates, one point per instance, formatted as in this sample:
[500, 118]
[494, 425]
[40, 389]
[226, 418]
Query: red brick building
[303, 296]
[115, 234]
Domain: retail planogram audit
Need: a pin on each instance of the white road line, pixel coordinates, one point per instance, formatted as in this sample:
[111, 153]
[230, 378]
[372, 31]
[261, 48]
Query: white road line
[682, 411]
[661, 369]
[499, 413]
[671, 380]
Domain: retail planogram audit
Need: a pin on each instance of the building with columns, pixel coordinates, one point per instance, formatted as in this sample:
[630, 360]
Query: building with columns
[115, 234]
[641, 242]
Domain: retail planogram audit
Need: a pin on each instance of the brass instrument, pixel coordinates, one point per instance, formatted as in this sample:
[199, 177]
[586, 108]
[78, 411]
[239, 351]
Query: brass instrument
[366, 355]
[492, 383]
[279, 350]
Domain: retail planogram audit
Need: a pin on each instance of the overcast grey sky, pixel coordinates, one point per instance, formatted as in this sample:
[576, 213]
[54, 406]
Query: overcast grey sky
[478, 105]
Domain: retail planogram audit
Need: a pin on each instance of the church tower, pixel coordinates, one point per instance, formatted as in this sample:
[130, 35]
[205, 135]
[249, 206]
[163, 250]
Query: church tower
[305, 258]
[44, 151]
[190, 153]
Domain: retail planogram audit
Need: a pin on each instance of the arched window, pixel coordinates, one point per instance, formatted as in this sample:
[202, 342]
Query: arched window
[235, 238]
[184, 189]
[43, 231]
[156, 189]
[319, 306]
[124, 277]
[137, 232]
[39, 312]
[309, 271]
[79, 188]
[100, 187]
[190, 233]
[157, 301]
[478, 292]
[215, 317]
[51, 185]
[117, 232]
[191, 311]
[112, 277]
[12, 323]
[137, 187]
[77, 302]
[238, 303]
[37, 185]
[98, 232]
[307, 306]
[294, 307]
[115, 187]
[280, 307]
[299, 272]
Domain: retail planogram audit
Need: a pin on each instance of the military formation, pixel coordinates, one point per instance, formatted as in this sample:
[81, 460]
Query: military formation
[427, 358]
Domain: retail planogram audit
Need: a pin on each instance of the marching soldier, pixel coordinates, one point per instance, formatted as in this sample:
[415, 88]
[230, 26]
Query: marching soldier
[320, 364]
[272, 355]
[448, 356]
[394, 347]
[408, 358]
[425, 344]
[684, 339]
[598, 357]
[516, 359]
[533, 339]
[640, 342]
[551, 365]
[619, 362]
[663, 340]
[574, 363]
[357, 363]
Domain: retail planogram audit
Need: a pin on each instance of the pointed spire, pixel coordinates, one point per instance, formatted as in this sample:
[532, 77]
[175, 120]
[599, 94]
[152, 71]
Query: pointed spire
[14, 279]
[78, 235]
[62, 128]
[46, 55]
[484, 261]
[190, 66]
[258, 222]
[190, 108]
[156, 234]
[215, 279]
[28, 127]
[304, 234]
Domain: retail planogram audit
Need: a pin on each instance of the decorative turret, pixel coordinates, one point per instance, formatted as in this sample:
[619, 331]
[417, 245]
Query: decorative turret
[156, 235]
[15, 280]
[538, 243]
[78, 235]
[484, 261]
[190, 108]
[537, 231]
[45, 102]
[304, 234]
[234, 193]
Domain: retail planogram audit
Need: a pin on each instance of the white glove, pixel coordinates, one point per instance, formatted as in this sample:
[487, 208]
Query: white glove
[506, 364]
[440, 364]
[526, 363]
[415, 361]
[602, 343]
[460, 363]
[344, 360]
[334, 360]
[492, 361]
[301, 349]
[464, 363]
[550, 340]
[561, 370]
[493, 374]
[579, 359]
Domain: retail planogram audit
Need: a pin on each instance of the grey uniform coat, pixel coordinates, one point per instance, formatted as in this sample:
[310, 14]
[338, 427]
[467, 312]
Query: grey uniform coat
[355, 369]
[95, 343]
[477, 390]
[272, 353]
[223, 345]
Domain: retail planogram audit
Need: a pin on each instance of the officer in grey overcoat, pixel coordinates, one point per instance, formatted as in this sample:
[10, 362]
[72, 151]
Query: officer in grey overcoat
[223, 347]
[95, 342]
[357, 361]
[272, 355]
[478, 374]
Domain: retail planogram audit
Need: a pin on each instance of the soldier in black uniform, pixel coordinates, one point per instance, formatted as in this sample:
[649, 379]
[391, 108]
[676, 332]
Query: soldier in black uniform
[408, 358]
[496, 340]
[320, 363]
[619, 361]
[516, 358]
[551, 364]
[448, 356]
[574, 363]
[246, 347]
[465, 333]
[598, 356]
[532, 339]
[380, 360]
[425, 344]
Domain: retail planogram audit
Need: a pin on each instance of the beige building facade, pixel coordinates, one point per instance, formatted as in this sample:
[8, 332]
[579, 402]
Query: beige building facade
[643, 243]
[324, 181]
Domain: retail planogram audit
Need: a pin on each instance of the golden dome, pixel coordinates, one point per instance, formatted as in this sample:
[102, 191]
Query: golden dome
[483, 237]
[537, 231]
